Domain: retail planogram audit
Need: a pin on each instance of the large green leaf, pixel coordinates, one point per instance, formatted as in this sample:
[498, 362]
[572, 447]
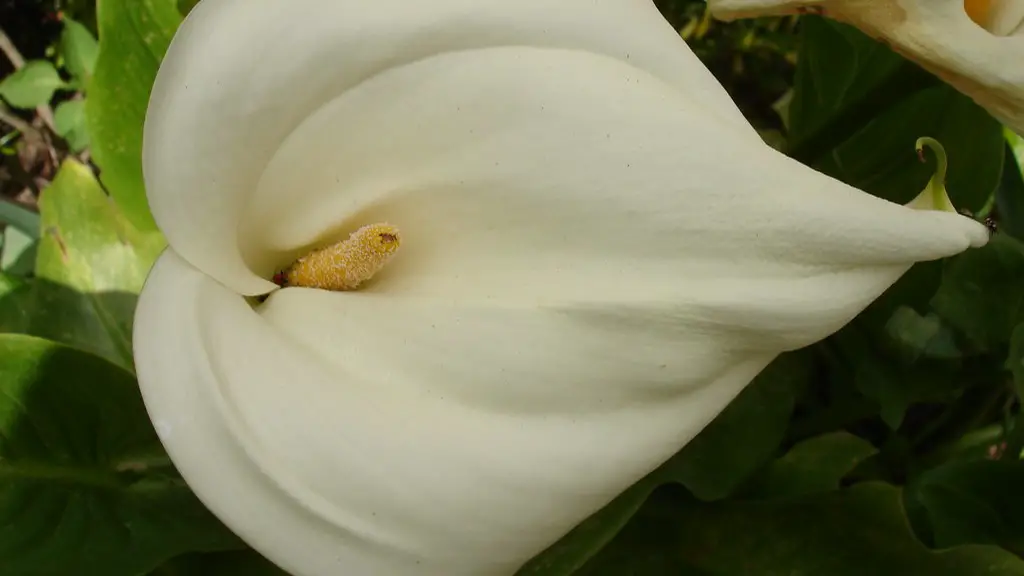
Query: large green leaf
[1015, 364]
[981, 291]
[838, 66]
[90, 266]
[9, 284]
[1010, 196]
[812, 466]
[134, 35]
[85, 487]
[881, 158]
[843, 69]
[746, 435]
[844, 79]
[31, 86]
[853, 532]
[974, 502]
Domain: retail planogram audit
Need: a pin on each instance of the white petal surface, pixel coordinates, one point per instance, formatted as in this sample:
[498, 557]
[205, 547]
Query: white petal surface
[381, 434]
[1003, 17]
[980, 59]
[599, 253]
[538, 196]
[244, 73]
[342, 464]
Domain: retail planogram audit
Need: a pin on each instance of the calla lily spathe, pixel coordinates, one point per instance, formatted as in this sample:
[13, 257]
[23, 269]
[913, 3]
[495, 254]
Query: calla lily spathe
[598, 254]
[975, 45]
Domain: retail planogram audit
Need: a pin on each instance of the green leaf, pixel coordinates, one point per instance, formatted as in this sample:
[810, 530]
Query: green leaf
[893, 383]
[79, 49]
[8, 285]
[974, 502]
[840, 68]
[812, 466]
[19, 252]
[746, 435]
[981, 291]
[85, 487]
[1010, 195]
[90, 259]
[69, 119]
[1015, 364]
[838, 65]
[241, 563]
[853, 532]
[15, 317]
[844, 79]
[31, 86]
[1015, 359]
[134, 35]
[916, 336]
[881, 158]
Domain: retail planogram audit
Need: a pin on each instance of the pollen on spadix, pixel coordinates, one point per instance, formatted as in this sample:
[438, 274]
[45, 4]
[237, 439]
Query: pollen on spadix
[346, 264]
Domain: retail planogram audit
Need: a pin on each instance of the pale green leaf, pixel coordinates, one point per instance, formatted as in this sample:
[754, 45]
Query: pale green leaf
[134, 34]
[31, 86]
[69, 120]
[79, 49]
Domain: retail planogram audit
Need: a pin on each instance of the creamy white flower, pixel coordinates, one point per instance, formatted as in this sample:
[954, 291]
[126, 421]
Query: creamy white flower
[975, 45]
[598, 254]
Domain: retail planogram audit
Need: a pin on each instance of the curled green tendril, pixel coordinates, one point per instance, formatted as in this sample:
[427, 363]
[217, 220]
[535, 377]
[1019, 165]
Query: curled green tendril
[934, 196]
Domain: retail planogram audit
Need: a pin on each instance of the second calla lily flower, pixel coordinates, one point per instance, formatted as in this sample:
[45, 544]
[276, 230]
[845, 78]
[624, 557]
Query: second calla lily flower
[597, 254]
[975, 45]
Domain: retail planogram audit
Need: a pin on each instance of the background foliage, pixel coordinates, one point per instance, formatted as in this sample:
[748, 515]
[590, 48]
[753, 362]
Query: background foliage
[892, 447]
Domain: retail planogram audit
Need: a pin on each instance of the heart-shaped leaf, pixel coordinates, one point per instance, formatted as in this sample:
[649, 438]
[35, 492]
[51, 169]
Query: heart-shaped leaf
[85, 487]
[852, 532]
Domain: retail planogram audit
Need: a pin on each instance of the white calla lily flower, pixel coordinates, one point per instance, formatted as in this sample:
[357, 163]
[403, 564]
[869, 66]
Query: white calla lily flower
[975, 45]
[598, 254]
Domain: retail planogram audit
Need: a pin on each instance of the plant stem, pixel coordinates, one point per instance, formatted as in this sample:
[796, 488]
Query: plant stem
[9, 118]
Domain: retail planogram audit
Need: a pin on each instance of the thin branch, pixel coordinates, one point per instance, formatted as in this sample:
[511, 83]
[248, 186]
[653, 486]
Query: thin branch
[9, 118]
[11, 51]
[7, 47]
